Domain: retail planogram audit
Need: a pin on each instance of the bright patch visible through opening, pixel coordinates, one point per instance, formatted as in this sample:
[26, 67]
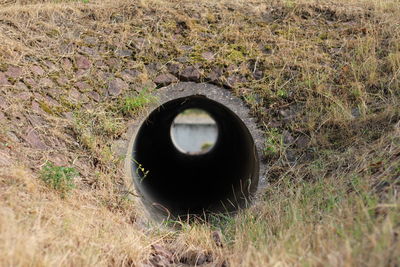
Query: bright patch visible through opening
[194, 132]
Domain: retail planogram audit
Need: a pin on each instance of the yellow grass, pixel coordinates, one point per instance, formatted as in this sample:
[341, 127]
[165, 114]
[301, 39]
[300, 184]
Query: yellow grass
[335, 65]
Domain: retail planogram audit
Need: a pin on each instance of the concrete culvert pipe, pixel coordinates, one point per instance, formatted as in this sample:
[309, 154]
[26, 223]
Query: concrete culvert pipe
[172, 182]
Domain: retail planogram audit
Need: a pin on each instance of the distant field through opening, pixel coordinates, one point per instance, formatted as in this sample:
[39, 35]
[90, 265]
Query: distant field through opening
[194, 132]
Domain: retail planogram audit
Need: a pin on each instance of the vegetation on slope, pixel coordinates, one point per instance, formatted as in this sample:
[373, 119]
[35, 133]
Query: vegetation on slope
[322, 79]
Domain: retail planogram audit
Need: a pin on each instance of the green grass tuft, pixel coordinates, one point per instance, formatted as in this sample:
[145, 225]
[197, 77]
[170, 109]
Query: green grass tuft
[59, 178]
[131, 105]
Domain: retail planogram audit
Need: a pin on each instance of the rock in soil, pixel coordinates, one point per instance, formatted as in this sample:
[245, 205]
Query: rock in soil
[14, 72]
[37, 71]
[3, 79]
[32, 138]
[165, 79]
[190, 74]
[82, 62]
[115, 87]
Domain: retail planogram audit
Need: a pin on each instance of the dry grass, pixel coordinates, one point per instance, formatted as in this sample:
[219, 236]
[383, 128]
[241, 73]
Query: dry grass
[322, 78]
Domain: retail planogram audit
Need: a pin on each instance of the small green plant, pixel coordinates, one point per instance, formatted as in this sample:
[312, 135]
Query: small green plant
[59, 178]
[237, 53]
[289, 3]
[282, 93]
[273, 142]
[140, 170]
[132, 104]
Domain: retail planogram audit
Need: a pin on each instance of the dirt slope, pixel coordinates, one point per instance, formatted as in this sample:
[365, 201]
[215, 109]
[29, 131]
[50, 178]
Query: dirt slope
[322, 79]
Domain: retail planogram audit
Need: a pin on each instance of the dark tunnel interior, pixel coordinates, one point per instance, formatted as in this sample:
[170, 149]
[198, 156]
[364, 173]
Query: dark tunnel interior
[221, 180]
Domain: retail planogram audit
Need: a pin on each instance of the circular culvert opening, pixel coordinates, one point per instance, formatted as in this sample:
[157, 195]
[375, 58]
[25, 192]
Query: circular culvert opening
[174, 182]
[194, 132]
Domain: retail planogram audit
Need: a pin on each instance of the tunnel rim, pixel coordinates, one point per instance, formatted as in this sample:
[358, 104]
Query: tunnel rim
[215, 93]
